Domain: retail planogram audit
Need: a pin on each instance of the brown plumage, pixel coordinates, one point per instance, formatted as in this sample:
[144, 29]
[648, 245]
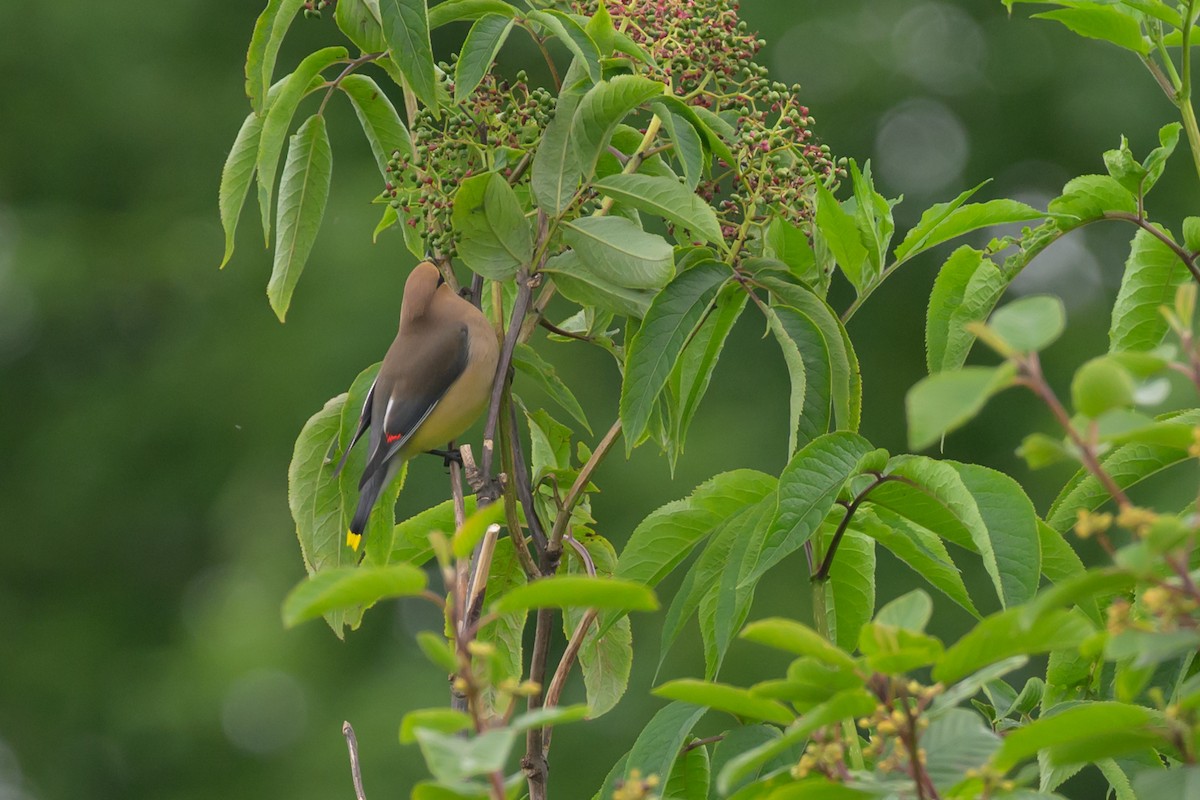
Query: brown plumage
[433, 383]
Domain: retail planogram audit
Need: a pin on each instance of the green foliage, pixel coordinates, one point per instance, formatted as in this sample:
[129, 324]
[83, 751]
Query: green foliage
[664, 187]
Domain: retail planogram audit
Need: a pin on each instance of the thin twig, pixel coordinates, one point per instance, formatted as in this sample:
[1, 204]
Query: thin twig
[1188, 259]
[336, 82]
[534, 761]
[559, 681]
[550, 326]
[577, 489]
[355, 767]
[520, 470]
[827, 564]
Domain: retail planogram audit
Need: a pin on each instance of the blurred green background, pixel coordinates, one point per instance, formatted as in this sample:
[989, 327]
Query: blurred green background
[148, 402]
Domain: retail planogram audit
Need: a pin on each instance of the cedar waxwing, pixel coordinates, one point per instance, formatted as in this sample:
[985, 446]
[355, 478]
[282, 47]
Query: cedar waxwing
[433, 383]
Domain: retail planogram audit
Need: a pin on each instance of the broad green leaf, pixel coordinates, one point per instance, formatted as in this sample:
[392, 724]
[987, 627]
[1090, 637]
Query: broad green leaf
[687, 147]
[741, 739]
[411, 537]
[303, 192]
[742, 703]
[818, 787]
[1030, 324]
[692, 772]
[1088, 197]
[600, 28]
[1177, 783]
[1152, 274]
[1003, 635]
[606, 655]
[506, 631]
[657, 746]
[1101, 385]
[850, 703]
[690, 378]
[550, 444]
[917, 547]
[970, 686]
[573, 37]
[496, 239]
[790, 244]
[1191, 233]
[949, 291]
[578, 591]
[847, 382]
[270, 28]
[555, 174]
[455, 10]
[577, 282]
[385, 132]
[837, 228]
[703, 121]
[530, 363]
[794, 358]
[909, 611]
[956, 742]
[479, 50]
[360, 21]
[279, 118]
[664, 538]
[452, 759]
[808, 487]
[443, 720]
[1109, 23]
[1127, 465]
[544, 717]
[852, 586]
[600, 111]
[667, 198]
[873, 215]
[945, 401]
[945, 221]
[672, 317]
[794, 637]
[471, 532]
[1157, 9]
[1060, 563]
[620, 251]
[406, 30]
[438, 650]
[895, 651]
[1082, 733]
[343, 588]
[236, 177]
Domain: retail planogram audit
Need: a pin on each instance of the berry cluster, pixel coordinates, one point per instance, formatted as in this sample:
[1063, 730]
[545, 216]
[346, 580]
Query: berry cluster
[897, 726]
[707, 56]
[313, 8]
[497, 128]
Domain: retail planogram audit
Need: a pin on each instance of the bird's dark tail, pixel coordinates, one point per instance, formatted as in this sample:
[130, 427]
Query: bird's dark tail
[366, 501]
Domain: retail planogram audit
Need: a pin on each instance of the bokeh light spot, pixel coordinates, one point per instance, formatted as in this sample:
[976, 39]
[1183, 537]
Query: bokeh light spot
[264, 712]
[921, 147]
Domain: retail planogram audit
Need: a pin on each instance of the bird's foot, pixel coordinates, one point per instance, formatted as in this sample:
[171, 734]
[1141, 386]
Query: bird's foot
[447, 456]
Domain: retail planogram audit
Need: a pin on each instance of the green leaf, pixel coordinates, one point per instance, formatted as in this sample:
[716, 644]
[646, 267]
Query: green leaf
[471, 532]
[1109, 23]
[1177, 783]
[236, 176]
[667, 198]
[479, 50]
[687, 147]
[971, 685]
[873, 215]
[455, 10]
[852, 585]
[657, 746]
[506, 631]
[944, 221]
[1088, 197]
[1191, 233]
[279, 118]
[496, 239]
[453, 758]
[850, 703]
[692, 373]
[620, 251]
[578, 591]
[741, 739]
[917, 547]
[1030, 324]
[439, 651]
[542, 372]
[577, 282]
[303, 192]
[1152, 274]
[606, 655]
[1081, 733]
[847, 382]
[600, 111]
[544, 717]
[270, 28]
[600, 28]
[411, 537]
[839, 231]
[793, 637]
[385, 132]
[1004, 635]
[950, 290]
[955, 743]
[555, 173]
[406, 29]
[790, 244]
[703, 121]
[691, 774]
[808, 488]
[908, 611]
[895, 651]
[443, 720]
[945, 401]
[742, 703]
[346, 587]
[360, 21]
[573, 37]
[1101, 385]
[794, 358]
[672, 317]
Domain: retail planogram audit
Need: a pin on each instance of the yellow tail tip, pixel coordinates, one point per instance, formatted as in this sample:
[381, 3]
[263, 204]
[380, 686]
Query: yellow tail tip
[353, 539]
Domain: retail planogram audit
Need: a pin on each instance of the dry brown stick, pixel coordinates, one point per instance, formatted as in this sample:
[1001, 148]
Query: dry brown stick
[355, 767]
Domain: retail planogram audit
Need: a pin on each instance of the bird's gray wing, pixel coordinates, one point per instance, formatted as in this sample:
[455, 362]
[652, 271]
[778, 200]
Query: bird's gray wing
[364, 422]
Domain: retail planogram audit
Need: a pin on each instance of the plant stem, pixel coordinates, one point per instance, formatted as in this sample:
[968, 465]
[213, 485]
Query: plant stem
[1188, 259]
[1184, 99]
[336, 82]
[355, 766]
[822, 574]
[577, 489]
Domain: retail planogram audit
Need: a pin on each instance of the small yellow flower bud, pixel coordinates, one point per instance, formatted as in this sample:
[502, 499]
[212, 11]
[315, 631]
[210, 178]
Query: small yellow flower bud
[482, 649]
[1088, 523]
[1139, 520]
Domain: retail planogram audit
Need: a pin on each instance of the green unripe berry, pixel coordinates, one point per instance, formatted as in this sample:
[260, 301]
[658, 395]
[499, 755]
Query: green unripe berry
[1101, 385]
